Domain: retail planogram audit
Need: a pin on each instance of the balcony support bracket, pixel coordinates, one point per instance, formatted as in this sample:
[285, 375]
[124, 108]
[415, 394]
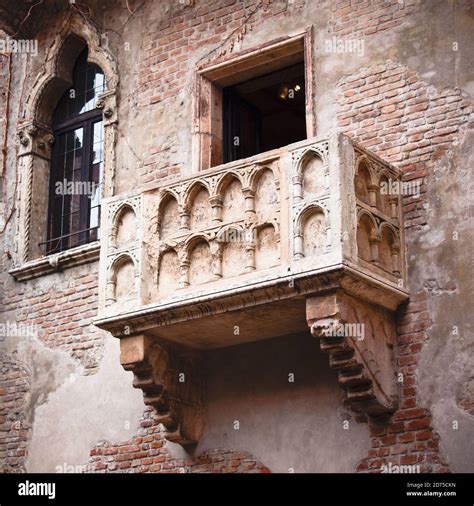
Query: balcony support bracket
[168, 375]
[359, 338]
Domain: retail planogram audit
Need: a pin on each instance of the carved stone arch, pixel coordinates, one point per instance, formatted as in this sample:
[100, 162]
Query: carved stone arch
[122, 279]
[225, 180]
[367, 236]
[389, 248]
[223, 233]
[193, 189]
[308, 209]
[230, 198]
[257, 173]
[387, 196]
[119, 230]
[307, 155]
[311, 175]
[312, 151]
[312, 231]
[267, 245]
[232, 250]
[171, 215]
[385, 173]
[35, 132]
[168, 271]
[363, 212]
[200, 259]
[124, 205]
[264, 184]
[321, 150]
[197, 201]
[365, 181]
[394, 231]
[73, 36]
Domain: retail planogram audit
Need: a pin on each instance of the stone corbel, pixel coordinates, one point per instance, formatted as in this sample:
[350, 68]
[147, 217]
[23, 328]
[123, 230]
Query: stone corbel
[107, 101]
[35, 140]
[169, 377]
[359, 339]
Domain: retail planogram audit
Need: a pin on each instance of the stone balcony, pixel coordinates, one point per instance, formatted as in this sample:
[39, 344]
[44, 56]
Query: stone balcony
[270, 245]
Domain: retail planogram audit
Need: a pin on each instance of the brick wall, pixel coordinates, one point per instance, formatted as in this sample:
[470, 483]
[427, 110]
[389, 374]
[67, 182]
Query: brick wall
[167, 57]
[14, 424]
[3, 94]
[387, 108]
[62, 313]
[390, 110]
[351, 19]
[147, 453]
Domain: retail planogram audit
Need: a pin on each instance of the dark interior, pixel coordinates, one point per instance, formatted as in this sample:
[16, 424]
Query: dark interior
[264, 113]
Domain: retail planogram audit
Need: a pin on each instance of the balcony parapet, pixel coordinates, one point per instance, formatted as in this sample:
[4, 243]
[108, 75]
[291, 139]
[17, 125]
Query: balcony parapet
[256, 245]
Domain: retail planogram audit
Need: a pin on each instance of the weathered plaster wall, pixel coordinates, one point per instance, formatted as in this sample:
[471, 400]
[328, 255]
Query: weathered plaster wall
[287, 403]
[157, 50]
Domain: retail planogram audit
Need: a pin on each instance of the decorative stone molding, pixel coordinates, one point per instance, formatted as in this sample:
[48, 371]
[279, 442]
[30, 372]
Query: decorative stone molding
[359, 339]
[172, 384]
[122, 254]
[35, 135]
[57, 262]
[36, 140]
[34, 156]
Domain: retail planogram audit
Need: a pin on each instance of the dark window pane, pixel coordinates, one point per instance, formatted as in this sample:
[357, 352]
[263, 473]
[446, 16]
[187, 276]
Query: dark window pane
[88, 83]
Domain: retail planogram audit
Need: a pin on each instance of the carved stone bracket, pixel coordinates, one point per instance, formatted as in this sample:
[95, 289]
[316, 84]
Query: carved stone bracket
[35, 139]
[169, 377]
[359, 338]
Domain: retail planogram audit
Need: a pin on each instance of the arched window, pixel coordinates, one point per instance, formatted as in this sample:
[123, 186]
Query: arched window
[76, 173]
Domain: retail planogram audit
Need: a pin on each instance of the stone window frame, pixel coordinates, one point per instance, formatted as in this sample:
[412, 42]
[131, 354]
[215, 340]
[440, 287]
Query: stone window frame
[212, 76]
[36, 138]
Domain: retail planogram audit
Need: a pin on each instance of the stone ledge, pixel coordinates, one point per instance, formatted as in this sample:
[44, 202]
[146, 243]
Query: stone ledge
[284, 289]
[57, 262]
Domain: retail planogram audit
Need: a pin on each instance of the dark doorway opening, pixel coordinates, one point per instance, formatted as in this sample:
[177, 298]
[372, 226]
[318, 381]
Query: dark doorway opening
[264, 113]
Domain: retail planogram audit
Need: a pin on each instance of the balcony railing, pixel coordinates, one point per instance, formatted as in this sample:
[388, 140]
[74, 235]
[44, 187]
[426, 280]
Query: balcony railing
[309, 234]
[281, 216]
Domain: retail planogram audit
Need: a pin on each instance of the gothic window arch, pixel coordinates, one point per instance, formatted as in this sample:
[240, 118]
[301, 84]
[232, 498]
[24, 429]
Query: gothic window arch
[76, 171]
[38, 250]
